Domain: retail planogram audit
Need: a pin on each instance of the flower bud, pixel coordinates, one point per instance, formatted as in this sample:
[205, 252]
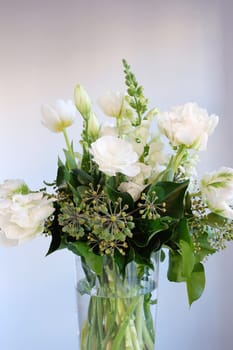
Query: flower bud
[93, 127]
[82, 101]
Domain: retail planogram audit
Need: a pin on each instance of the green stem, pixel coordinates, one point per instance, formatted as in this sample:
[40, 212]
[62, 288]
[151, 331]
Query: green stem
[68, 145]
[139, 320]
[125, 322]
[147, 338]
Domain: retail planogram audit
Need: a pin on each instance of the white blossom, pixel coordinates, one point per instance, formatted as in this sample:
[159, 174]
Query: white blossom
[22, 215]
[217, 191]
[187, 125]
[59, 117]
[132, 188]
[11, 186]
[112, 103]
[115, 155]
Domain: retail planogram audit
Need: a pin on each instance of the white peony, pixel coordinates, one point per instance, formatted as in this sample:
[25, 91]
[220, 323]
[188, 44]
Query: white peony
[115, 155]
[59, 117]
[217, 191]
[187, 125]
[22, 215]
[112, 103]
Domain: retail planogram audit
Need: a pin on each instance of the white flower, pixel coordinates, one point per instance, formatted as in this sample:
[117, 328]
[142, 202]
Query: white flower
[108, 129]
[115, 155]
[9, 187]
[132, 188]
[60, 116]
[82, 101]
[187, 125]
[112, 103]
[22, 215]
[217, 191]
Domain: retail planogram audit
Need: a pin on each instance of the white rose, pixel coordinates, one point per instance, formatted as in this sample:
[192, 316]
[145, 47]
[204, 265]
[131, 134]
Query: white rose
[112, 103]
[217, 191]
[115, 155]
[187, 125]
[22, 217]
[59, 117]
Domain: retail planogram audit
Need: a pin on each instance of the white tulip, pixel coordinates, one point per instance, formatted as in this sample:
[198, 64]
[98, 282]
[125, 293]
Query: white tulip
[187, 125]
[59, 117]
[22, 217]
[115, 155]
[217, 191]
[112, 104]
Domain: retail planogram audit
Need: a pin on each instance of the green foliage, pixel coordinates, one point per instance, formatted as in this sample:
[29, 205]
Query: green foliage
[94, 261]
[196, 283]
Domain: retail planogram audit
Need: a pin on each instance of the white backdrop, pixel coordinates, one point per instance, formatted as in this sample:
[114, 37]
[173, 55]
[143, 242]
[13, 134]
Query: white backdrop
[180, 51]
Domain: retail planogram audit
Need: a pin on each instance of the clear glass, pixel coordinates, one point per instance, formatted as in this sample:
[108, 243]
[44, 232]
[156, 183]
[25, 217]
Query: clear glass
[117, 312]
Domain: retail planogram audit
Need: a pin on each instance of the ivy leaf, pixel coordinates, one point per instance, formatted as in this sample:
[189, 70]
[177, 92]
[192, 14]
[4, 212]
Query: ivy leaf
[146, 229]
[94, 261]
[196, 283]
[173, 194]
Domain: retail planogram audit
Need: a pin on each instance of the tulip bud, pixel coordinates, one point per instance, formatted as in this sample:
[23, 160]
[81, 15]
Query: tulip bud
[82, 101]
[93, 127]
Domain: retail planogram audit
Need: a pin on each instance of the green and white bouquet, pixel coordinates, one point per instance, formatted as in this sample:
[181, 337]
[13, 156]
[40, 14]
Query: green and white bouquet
[126, 195]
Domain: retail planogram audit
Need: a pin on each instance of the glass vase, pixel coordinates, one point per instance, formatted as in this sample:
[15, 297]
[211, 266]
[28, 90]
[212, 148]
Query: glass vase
[115, 311]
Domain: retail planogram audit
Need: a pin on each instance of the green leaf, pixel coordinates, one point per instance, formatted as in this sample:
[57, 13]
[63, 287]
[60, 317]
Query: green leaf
[188, 259]
[214, 220]
[182, 232]
[147, 229]
[94, 261]
[205, 247]
[175, 267]
[172, 194]
[80, 177]
[62, 175]
[70, 160]
[57, 243]
[196, 283]
[114, 196]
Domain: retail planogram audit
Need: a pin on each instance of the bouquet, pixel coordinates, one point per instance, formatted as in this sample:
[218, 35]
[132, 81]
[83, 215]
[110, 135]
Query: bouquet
[132, 191]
